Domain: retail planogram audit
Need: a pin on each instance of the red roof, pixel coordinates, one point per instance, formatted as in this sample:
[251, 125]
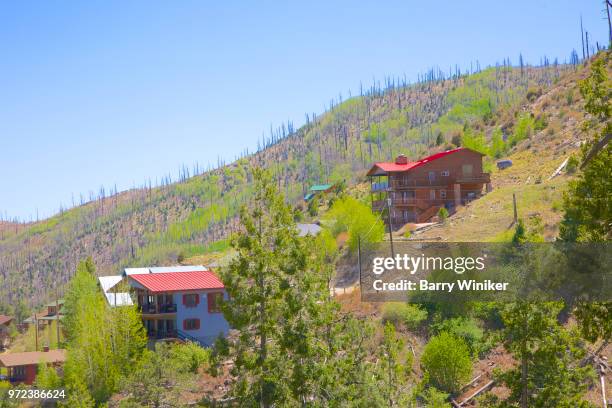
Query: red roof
[178, 281]
[5, 320]
[391, 167]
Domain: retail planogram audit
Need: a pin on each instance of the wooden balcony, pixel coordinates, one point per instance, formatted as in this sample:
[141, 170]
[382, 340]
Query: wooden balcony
[152, 308]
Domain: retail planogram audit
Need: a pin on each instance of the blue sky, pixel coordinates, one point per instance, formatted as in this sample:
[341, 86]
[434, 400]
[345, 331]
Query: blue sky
[113, 92]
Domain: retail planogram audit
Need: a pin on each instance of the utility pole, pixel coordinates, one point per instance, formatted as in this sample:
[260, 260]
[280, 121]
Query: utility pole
[515, 210]
[389, 202]
[57, 321]
[36, 330]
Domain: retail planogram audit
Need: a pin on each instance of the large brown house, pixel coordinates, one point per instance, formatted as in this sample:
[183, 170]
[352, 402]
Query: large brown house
[415, 191]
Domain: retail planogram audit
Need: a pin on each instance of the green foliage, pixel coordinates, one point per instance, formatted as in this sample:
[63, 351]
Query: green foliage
[572, 164]
[587, 204]
[189, 357]
[292, 344]
[394, 369]
[549, 373]
[404, 313]
[466, 329]
[313, 206]
[446, 362]
[475, 141]
[104, 344]
[434, 398]
[162, 376]
[523, 129]
[47, 378]
[349, 215]
[443, 214]
[498, 147]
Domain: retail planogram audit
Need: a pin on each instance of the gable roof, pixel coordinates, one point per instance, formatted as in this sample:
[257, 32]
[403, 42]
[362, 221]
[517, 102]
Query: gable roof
[321, 187]
[388, 167]
[32, 357]
[178, 281]
[5, 319]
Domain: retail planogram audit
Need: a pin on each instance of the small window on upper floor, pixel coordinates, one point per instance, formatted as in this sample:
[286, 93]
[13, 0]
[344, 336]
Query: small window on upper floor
[214, 302]
[445, 173]
[191, 300]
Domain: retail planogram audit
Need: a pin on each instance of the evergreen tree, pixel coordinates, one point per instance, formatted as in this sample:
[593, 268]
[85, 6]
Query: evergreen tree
[548, 373]
[587, 204]
[293, 345]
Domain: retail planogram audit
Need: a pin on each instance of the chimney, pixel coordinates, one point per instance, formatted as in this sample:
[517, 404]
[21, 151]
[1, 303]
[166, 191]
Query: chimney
[46, 348]
[401, 159]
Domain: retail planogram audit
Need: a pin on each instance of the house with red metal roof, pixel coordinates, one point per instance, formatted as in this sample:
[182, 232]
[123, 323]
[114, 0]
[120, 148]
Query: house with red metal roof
[415, 191]
[180, 303]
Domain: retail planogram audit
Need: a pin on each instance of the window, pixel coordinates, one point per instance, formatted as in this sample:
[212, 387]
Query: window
[442, 193]
[432, 176]
[191, 300]
[191, 324]
[214, 302]
[445, 173]
[432, 194]
[467, 169]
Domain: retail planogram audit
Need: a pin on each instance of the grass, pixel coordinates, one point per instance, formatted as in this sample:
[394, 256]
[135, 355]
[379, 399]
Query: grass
[488, 218]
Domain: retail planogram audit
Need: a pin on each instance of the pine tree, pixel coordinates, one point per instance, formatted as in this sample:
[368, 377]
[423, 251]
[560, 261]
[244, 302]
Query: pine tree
[293, 344]
[587, 204]
[548, 373]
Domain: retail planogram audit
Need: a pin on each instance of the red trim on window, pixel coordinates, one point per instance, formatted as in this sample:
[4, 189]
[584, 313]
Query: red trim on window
[184, 300]
[197, 295]
[196, 324]
[213, 306]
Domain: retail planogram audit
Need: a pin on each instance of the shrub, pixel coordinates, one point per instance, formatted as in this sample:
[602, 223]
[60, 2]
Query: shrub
[443, 214]
[572, 165]
[533, 94]
[189, 356]
[410, 315]
[466, 329]
[446, 362]
[352, 216]
[434, 398]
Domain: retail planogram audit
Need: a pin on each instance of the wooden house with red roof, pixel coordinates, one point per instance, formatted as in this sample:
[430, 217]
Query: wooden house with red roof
[415, 191]
[22, 368]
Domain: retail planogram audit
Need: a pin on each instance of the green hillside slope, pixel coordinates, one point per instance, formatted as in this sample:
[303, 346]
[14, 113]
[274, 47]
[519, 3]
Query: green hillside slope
[154, 225]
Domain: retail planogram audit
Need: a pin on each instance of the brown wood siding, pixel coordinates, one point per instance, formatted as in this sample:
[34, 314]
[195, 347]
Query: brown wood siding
[411, 190]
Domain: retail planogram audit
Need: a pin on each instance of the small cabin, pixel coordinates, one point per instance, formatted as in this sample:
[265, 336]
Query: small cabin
[22, 368]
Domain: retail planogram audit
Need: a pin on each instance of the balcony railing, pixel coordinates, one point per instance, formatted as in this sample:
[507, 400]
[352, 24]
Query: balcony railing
[162, 334]
[153, 308]
[383, 186]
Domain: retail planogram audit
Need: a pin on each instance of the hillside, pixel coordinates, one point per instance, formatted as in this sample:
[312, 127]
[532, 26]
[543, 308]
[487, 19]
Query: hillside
[164, 223]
